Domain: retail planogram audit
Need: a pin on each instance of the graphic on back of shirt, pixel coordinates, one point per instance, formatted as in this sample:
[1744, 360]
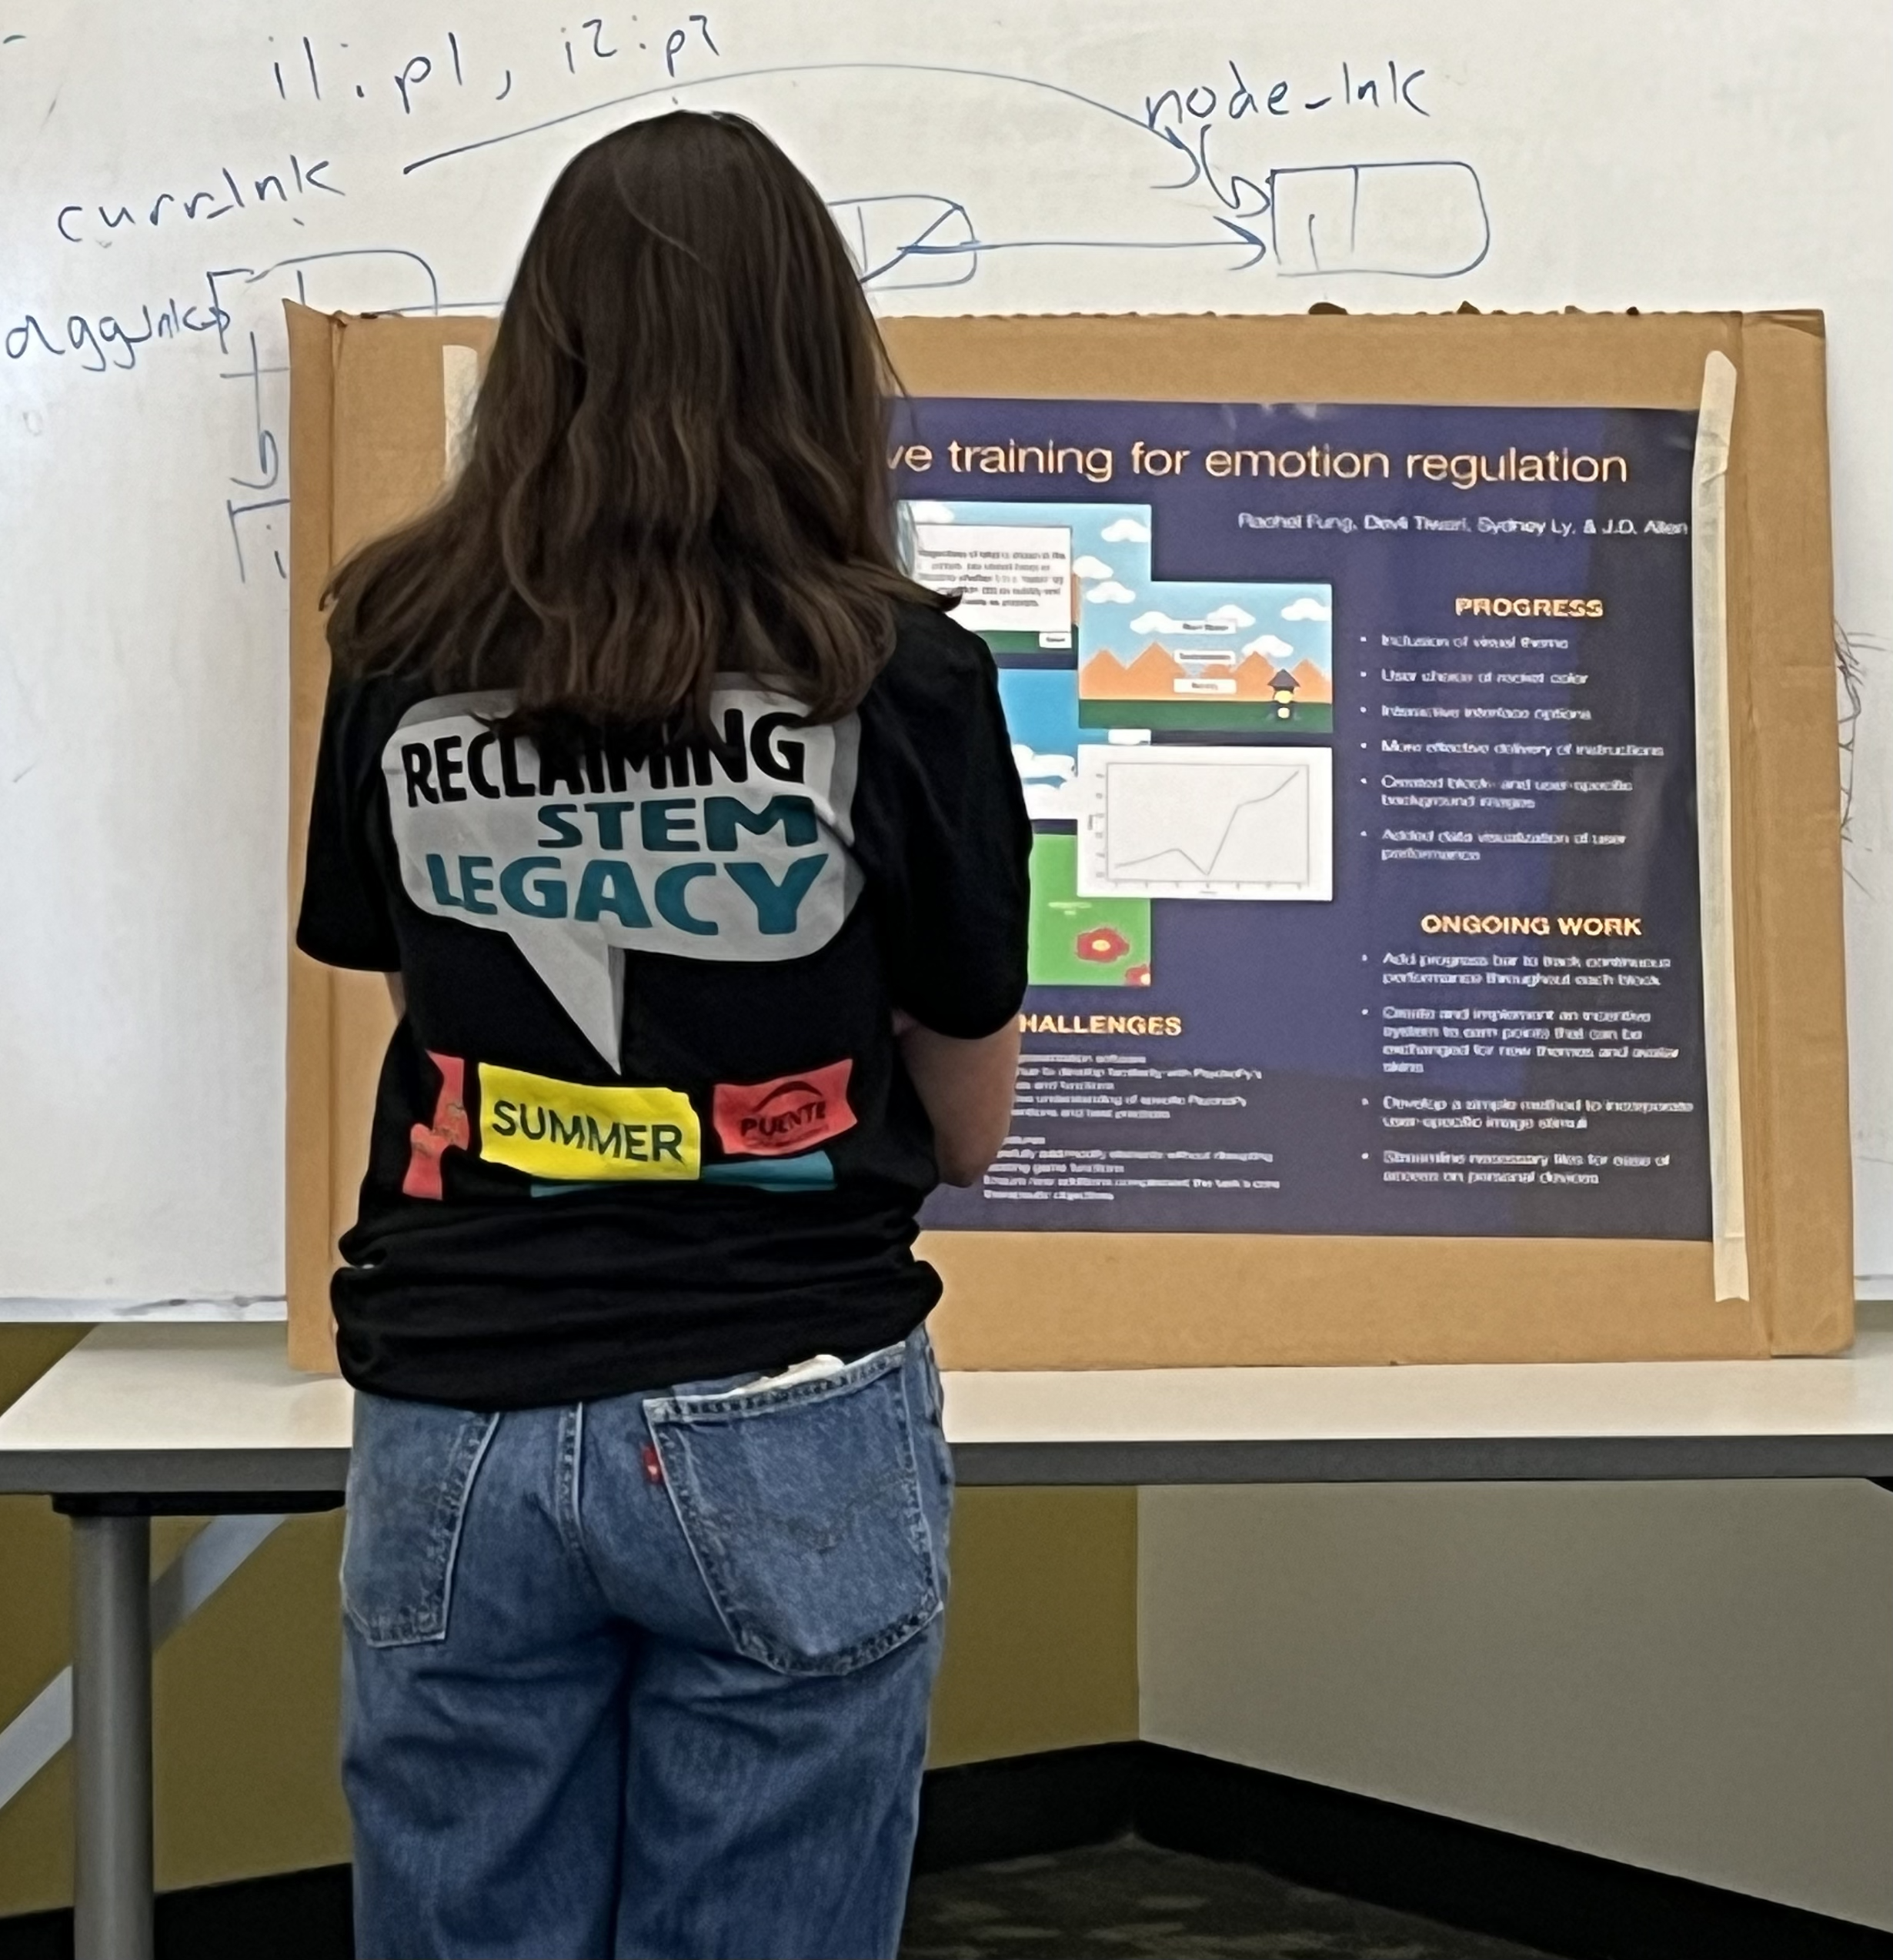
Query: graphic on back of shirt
[734, 845]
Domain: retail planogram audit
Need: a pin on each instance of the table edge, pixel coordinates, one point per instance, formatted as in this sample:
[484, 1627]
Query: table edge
[1157, 1460]
[142, 1472]
[1423, 1459]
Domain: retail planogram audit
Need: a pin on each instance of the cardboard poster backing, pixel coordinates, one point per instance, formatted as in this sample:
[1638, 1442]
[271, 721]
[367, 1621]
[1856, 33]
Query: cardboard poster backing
[368, 445]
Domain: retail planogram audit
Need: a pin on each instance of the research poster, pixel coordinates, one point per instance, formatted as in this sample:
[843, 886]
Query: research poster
[1358, 745]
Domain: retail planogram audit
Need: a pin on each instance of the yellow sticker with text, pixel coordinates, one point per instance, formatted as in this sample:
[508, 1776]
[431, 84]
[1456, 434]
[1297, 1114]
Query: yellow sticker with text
[572, 1132]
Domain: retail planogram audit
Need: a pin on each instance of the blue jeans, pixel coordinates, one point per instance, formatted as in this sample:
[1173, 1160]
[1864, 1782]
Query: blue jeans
[644, 1677]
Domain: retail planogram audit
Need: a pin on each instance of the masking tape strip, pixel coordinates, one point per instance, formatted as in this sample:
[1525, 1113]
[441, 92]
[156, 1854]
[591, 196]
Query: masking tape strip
[44, 1727]
[459, 383]
[1715, 823]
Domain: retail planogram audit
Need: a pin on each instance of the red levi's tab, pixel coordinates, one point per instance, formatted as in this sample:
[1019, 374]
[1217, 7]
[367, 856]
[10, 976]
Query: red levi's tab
[450, 1130]
[776, 1119]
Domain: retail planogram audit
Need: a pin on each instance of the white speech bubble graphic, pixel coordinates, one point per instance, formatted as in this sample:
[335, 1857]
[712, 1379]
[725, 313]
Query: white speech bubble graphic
[733, 847]
[1011, 578]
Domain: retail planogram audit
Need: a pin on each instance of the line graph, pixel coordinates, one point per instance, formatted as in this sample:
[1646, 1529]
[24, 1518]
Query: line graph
[1206, 822]
[1263, 839]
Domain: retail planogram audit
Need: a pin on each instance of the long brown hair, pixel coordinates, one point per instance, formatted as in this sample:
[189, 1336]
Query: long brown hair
[677, 463]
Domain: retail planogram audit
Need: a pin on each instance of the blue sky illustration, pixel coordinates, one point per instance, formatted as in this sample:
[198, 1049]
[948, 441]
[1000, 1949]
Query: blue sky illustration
[1042, 709]
[1123, 609]
[1041, 705]
[1285, 623]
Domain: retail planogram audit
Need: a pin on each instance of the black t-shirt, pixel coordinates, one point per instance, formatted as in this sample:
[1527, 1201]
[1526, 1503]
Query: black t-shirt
[645, 1120]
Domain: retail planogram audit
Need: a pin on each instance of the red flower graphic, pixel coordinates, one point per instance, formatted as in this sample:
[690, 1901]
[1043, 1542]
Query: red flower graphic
[1103, 944]
[1137, 976]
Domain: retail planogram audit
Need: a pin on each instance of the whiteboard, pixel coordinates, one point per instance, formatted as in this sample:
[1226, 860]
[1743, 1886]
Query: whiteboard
[169, 175]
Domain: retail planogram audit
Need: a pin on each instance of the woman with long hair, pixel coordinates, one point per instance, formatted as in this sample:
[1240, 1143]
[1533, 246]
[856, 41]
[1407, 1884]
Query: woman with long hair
[686, 829]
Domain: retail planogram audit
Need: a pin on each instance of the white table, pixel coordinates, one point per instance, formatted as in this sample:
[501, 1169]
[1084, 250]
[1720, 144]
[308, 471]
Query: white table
[145, 1420]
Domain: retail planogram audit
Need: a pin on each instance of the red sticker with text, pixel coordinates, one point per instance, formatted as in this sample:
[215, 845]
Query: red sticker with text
[450, 1130]
[793, 1113]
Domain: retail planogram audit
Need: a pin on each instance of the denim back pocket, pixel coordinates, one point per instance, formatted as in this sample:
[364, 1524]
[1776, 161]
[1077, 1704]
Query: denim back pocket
[410, 1472]
[802, 1507]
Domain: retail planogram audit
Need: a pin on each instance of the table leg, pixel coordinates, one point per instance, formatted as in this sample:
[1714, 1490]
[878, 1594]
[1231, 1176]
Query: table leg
[112, 1737]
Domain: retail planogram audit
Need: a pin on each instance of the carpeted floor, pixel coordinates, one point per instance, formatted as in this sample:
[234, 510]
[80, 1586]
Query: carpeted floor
[1130, 1900]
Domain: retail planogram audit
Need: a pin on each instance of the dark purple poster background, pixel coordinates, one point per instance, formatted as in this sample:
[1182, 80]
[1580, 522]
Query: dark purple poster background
[1346, 1066]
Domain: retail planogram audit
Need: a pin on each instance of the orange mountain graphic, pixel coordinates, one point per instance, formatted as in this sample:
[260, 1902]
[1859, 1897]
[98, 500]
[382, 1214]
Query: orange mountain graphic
[1154, 674]
[1149, 677]
[1311, 684]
